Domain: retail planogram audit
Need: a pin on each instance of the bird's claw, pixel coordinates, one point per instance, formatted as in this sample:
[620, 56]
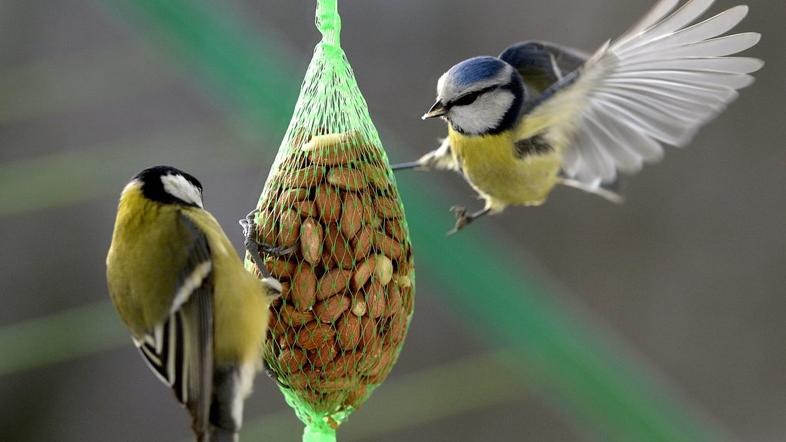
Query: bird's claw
[269, 249]
[256, 248]
[461, 219]
[247, 223]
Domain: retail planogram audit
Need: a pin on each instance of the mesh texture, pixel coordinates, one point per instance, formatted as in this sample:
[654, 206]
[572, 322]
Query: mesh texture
[348, 286]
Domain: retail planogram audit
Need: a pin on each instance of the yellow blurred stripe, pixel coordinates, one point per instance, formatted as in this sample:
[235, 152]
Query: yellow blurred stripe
[59, 337]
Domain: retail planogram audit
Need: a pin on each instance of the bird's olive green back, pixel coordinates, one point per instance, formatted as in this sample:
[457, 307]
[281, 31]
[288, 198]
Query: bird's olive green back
[148, 252]
[240, 300]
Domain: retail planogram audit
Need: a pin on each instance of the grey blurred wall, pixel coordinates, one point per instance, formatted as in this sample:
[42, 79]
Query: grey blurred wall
[690, 270]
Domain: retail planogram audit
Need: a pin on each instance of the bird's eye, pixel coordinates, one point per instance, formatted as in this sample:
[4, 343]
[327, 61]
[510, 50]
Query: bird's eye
[467, 99]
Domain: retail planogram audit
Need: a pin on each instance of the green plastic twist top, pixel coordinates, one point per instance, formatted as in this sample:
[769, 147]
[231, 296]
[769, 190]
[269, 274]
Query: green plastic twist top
[319, 432]
[329, 22]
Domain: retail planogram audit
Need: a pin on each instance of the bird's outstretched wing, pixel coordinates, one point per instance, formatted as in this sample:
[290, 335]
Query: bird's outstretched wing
[541, 64]
[657, 84]
[180, 350]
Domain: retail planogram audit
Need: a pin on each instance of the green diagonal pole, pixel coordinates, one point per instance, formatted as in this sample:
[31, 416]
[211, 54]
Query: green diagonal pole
[64, 335]
[588, 375]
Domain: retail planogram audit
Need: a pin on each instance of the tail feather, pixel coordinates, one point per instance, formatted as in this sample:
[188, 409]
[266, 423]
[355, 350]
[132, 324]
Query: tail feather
[222, 435]
[231, 386]
[608, 191]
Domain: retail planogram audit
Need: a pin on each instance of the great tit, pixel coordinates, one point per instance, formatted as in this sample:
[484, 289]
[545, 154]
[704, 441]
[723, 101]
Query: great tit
[196, 315]
[541, 114]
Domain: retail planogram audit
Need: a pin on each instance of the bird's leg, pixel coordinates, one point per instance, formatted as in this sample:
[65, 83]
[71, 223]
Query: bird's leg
[463, 218]
[256, 248]
[406, 166]
[440, 158]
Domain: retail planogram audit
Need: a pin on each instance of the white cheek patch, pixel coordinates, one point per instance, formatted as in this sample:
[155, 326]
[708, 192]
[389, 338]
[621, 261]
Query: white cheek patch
[179, 187]
[484, 114]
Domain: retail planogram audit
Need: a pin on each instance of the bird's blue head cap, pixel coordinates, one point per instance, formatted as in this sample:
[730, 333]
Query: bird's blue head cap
[477, 70]
[480, 95]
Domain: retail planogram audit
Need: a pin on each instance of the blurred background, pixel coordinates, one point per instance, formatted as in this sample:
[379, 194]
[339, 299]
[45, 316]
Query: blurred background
[660, 319]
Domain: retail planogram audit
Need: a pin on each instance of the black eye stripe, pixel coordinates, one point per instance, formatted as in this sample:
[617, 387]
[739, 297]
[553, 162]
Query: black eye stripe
[466, 99]
[471, 97]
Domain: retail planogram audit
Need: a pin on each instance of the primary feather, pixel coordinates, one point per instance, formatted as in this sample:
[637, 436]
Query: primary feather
[658, 84]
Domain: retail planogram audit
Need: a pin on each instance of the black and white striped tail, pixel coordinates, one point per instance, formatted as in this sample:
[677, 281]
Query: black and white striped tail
[180, 353]
[231, 386]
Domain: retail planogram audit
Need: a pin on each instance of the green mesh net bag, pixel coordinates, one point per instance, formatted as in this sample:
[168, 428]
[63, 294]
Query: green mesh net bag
[332, 229]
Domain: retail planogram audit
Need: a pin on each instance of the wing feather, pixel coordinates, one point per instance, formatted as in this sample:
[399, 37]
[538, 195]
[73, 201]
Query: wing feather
[180, 350]
[541, 63]
[656, 14]
[657, 84]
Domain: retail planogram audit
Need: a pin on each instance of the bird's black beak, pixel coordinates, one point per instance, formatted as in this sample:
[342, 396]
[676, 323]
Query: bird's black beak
[437, 110]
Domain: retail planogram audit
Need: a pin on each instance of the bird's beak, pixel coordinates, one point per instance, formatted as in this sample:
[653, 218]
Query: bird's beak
[437, 110]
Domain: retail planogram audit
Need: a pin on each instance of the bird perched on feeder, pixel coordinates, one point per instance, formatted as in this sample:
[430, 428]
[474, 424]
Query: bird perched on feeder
[196, 315]
[542, 114]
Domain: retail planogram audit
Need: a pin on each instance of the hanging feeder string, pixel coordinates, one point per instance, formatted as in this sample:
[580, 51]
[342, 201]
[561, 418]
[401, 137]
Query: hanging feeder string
[329, 22]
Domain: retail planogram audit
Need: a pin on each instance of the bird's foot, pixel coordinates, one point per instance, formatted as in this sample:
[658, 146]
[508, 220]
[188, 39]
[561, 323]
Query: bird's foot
[256, 248]
[462, 219]
[278, 252]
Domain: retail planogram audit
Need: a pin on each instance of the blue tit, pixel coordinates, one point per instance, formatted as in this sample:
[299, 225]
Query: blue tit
[196, 315]
[542, 114]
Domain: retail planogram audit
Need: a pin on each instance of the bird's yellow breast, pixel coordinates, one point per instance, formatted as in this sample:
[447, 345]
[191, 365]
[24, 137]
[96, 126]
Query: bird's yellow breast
[492, 167]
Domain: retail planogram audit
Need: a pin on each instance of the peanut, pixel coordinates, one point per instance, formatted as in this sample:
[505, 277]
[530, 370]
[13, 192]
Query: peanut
[323, 355]
[383, 269]
[314, 335]
[348, 332]
[351, 215]
[291, 359]
[361, 244]
[375, 299]
[289, 228]
[395, 228]
[295, 318]
[388, 245]
[362, 273]
[306, 177]
[328, 203]
[376, 175]
[306, 208]
[342, 365]
[304, 287]
[359, 306]
[267, 230]
[347, 179]
[330, 309]
[289, 197]
[280, 267]
[332, 282]
[311, 241]
[387, 207]
[337, 245]
[394, 301]
[368, 332]
[356, 396]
